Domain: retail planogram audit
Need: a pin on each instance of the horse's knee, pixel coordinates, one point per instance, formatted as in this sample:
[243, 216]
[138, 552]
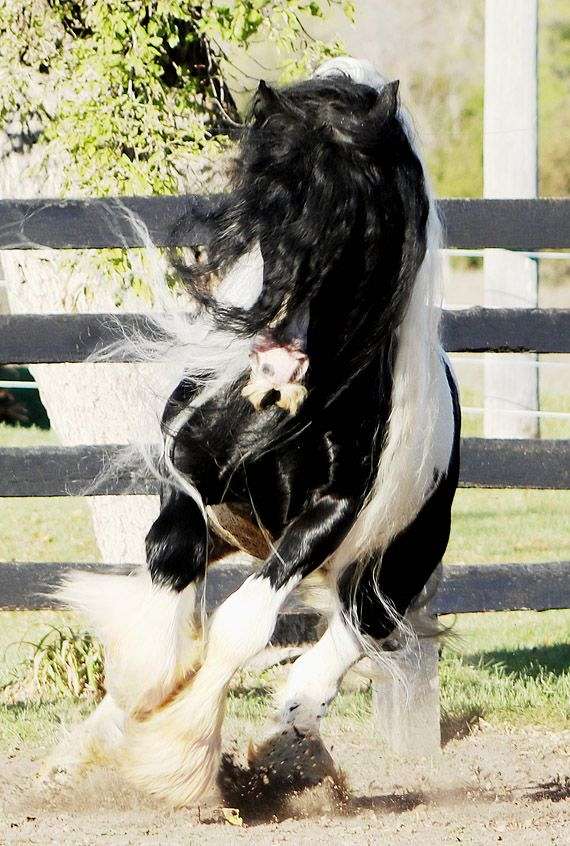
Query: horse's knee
[177, 543]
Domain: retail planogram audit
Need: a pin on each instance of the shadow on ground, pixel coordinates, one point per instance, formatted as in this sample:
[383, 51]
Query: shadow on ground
[527, 663]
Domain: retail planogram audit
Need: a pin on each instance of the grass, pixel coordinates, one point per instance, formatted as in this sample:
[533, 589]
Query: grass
[43, 528]
[472, 424]
[34, 720]
[493, 526]
[65, 661]
[509, 668]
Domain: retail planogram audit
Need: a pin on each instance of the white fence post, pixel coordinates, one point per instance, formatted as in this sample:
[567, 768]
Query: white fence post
[407, 712]
[407, 709]
[510, 170]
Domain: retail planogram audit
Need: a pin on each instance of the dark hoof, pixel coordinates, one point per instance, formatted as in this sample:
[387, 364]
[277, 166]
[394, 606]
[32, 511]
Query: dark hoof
[289, 775]
[292, 758]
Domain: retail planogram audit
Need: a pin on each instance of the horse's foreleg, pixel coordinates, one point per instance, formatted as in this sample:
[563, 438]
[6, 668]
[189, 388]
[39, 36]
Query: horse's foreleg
[311, 685]
[174, 750]
[95, 741]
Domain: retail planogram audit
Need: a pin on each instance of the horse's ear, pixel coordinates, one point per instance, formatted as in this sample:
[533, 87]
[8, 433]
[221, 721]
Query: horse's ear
[266, 101]
[387, 104]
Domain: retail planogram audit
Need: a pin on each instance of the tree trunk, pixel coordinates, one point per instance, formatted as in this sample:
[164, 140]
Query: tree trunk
[86, 403]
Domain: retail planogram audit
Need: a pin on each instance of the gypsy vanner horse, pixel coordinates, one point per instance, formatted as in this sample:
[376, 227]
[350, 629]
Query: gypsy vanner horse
[317, 426]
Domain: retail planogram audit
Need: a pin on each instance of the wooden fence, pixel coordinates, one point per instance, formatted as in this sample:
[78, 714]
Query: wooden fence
[56, 471]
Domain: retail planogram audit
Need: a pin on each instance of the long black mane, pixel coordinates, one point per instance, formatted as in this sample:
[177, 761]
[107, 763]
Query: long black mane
[327, 183]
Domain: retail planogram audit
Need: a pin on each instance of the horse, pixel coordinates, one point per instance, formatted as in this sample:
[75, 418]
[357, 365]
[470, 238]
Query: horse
[316, 426]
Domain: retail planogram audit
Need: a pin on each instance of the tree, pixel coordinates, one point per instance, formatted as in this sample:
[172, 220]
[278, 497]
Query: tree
[111, 97]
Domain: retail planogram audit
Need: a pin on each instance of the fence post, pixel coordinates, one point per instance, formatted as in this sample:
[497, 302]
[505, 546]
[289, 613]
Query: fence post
[510, 170]
[406, 708]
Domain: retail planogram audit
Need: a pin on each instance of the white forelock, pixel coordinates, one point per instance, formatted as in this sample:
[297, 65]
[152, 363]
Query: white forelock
[359, 70]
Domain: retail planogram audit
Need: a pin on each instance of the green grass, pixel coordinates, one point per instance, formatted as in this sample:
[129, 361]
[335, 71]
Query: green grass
[54, 529]
[31, 721]
[25, 436]
[18, 628]
[43, 528]
[493, 526]
[509, 668]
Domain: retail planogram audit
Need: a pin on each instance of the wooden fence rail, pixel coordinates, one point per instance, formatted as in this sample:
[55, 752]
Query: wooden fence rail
[74, 471]
[51, 338]
[101, 223]
[463, 588]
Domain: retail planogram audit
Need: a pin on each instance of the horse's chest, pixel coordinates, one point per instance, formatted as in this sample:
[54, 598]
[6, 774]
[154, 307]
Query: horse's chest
[280, 484]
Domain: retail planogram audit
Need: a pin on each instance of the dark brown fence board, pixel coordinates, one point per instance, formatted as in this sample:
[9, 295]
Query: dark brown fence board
[98, 223]
[503, 587]
[31, 586]
[507, 330]
[508, 224]
[497, 463]
[463, 588]
[71, 471]
[67, 338]
[47, 338]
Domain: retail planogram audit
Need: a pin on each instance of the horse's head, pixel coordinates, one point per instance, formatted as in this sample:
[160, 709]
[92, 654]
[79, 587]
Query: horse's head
[327, 183]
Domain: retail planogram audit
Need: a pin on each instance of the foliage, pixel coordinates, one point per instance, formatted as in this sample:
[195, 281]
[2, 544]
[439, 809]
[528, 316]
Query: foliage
[64, 662]
[127, 89]
[456, 162]
[127, 97]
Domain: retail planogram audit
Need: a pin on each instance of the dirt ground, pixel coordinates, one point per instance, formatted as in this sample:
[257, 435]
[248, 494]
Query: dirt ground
[493, 786]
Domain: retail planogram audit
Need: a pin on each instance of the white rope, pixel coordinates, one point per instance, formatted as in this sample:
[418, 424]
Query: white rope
[523, 362]
[545, 254]
[560, 415]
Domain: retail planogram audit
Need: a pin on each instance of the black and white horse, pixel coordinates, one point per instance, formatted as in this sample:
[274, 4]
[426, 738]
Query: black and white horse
[316, 426]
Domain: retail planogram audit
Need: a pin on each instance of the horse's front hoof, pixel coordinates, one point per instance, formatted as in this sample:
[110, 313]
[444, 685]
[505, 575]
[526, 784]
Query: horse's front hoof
[293, 757]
